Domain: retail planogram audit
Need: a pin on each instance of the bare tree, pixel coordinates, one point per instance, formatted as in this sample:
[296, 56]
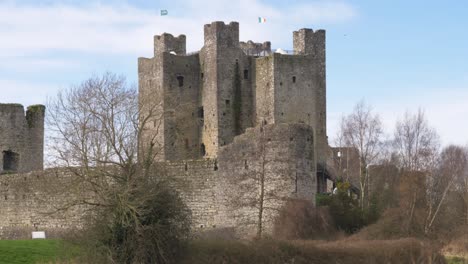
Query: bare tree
[452, 165]
[416, 142]
[362, 129]
[106, 138]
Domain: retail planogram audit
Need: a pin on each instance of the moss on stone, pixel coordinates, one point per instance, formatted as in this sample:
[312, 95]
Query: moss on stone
[32, 112]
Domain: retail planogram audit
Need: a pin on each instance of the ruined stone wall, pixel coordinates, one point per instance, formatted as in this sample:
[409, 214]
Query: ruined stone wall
[282, 157]
[33, 201]
[168, 43]
[196, 182]
[256, 49]
[219, 192]
[21, 138]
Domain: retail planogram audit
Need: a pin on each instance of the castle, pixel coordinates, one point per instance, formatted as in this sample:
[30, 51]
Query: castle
[212, 96]
[230, 122]
[248, 110]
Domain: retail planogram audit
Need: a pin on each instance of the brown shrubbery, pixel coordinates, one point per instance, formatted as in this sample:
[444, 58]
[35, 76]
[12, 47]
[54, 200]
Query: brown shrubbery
[300, 219]
[298, 252]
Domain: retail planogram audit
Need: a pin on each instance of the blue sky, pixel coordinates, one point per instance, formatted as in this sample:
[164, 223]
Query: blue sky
[397, 55]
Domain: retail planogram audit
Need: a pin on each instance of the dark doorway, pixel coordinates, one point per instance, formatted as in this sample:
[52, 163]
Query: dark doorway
[10, 161]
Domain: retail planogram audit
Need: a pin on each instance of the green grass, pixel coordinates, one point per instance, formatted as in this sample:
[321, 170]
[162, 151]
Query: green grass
[34, 251]
[456, 260]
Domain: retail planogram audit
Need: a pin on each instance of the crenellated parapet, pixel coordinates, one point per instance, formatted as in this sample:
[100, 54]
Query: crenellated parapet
[168, 43]
[256, 49]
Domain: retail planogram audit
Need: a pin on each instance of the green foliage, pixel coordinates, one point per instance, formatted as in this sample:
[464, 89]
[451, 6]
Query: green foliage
[322, 199]
[345, 210]
[34, 251]
[456, 260]
[32, 111]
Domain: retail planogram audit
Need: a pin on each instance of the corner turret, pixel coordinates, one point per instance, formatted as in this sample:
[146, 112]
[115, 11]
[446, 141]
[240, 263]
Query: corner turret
[167, 43]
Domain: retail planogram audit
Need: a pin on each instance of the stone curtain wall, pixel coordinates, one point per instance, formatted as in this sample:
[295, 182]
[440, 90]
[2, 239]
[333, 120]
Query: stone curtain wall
[283, 154]
[33, 201]
[219, 192]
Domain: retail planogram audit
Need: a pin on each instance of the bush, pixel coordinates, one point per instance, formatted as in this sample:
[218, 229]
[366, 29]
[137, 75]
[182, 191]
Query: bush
[148, 225]
[300, 219]
[345, 210]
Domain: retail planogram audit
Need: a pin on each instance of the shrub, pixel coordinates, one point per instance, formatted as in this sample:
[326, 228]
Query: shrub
[149, 225]
[300, 219]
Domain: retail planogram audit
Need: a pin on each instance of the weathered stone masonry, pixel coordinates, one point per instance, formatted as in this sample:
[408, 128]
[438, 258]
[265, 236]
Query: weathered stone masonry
[229, 115]
[217, 104]
[21, 138]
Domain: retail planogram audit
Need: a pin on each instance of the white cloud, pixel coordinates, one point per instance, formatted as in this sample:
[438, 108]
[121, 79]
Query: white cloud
[121, 28]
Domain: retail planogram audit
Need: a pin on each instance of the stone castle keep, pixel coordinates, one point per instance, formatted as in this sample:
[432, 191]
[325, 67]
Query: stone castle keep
[225, 115]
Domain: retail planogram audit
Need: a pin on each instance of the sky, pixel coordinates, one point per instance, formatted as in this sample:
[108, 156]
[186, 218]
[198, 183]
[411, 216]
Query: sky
[396, 55]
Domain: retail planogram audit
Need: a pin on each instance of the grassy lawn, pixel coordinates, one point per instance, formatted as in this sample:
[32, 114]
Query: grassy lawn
[456, 260]
[33, 251]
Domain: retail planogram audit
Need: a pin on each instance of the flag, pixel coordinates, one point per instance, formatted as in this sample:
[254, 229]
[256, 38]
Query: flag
[164, 12]
[261, 20]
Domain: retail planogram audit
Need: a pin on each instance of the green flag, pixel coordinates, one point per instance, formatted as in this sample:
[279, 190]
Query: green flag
[164, 12]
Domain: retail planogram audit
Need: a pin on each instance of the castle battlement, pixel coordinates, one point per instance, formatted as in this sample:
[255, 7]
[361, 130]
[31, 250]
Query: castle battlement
[168, 43]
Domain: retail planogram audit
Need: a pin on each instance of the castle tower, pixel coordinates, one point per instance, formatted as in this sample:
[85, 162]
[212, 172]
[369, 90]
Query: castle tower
[169, 86]
[21, 138]
[310, 43]
[291, 88]
[227, 87]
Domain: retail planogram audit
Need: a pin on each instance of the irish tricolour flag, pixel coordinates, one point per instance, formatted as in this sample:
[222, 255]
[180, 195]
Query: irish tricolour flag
[261, 20]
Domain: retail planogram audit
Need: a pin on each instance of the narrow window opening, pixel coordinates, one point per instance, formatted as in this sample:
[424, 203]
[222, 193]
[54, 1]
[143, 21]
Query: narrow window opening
[294, 79]
[202, 75]
[291, 139]
[187, 143]
[180, 80]
[202, 149]
[246, 166]
[201, 113]
[228, 102]
[281, 83]
[215, 165]
[10, 161]
[224, 114]
[186, 167]
[6, 197]
[246, 74]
